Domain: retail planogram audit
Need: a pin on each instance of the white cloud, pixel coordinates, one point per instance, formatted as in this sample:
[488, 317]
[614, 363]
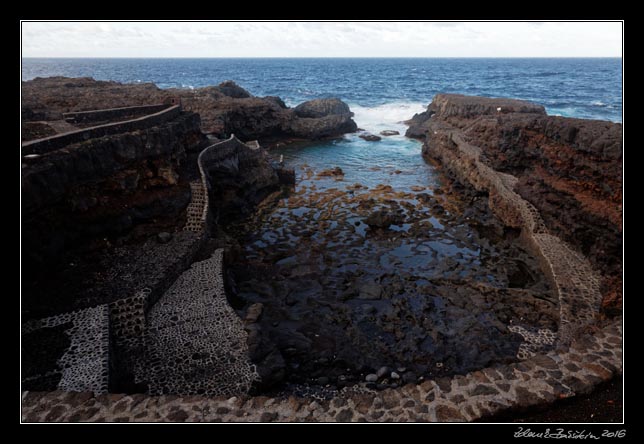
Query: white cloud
[321, 39]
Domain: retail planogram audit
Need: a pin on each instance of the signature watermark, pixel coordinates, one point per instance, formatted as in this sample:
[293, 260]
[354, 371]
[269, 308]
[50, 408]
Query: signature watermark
[568, 434]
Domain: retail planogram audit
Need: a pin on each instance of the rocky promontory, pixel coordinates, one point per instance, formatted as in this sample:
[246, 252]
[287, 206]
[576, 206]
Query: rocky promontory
[224, 109]
[569, 169]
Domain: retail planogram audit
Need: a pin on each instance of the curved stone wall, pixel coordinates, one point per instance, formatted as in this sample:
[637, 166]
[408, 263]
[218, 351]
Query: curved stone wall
[102, 115]
[576, 283]
[564, 372]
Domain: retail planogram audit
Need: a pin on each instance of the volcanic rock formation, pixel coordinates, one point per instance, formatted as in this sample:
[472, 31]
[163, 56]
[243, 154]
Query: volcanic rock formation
[569, 169]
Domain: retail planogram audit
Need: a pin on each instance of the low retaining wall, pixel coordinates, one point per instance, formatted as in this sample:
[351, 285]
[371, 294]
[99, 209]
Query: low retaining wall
[102, 115]
[570, 273]
[559, 374]
[49, 144]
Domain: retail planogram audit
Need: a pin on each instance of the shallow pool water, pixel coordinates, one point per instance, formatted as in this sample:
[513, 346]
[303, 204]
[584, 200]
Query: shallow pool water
[345, 293]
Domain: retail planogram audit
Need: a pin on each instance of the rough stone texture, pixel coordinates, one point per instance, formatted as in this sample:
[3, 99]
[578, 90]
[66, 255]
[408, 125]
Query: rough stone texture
[238, 176]
[321, 108]
[84, 365]
[224, 109]
[53, 143]
[106, 187]
[95, 117]
[195, 342]
[577, 283]
[525, 389]
[569, 170]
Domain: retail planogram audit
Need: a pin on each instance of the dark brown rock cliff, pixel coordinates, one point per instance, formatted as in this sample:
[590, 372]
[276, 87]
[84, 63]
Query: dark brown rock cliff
[569, 169]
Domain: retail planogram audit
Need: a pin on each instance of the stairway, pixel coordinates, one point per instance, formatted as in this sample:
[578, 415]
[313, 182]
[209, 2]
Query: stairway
[196, 344]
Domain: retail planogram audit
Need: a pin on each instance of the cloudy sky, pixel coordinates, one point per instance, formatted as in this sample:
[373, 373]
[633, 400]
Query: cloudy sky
[320, 39]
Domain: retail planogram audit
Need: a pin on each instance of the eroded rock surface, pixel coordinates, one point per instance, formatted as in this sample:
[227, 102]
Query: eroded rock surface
[569, 169]
[224, 109]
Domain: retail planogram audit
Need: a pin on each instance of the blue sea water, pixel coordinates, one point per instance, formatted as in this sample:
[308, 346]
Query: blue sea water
[585, 88]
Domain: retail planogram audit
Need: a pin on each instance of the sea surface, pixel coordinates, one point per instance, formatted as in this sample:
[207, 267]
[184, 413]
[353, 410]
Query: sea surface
[586, 88]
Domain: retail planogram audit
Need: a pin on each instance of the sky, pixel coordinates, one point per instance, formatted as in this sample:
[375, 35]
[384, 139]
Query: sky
[321, 39]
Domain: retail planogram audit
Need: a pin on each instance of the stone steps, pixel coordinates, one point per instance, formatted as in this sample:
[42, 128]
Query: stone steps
[195, 213]
[195, 342]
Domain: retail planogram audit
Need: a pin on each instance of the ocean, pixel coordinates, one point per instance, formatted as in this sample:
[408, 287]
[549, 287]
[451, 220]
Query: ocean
[585, 88]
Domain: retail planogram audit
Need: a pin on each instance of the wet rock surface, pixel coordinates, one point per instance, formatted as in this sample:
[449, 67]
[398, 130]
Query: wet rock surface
[419, 280]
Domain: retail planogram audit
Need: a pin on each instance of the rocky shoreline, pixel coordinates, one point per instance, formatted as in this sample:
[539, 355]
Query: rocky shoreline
[224, 109]
[522, 180]
[569, 169]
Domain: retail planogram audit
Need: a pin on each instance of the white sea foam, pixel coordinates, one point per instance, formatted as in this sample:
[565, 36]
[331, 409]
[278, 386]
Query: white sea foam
[598, 103]
[389, 116]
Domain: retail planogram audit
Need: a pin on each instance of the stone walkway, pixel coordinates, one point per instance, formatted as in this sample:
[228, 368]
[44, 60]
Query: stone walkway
[195, 342]
[84, 365]
[577, 284]
[561, 373]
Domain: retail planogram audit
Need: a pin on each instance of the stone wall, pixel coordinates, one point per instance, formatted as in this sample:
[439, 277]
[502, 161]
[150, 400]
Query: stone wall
[239, 177]
[105, 187]
[569, 170]
[52, 143]
[112, 114]
[562, 373]
[576, 283]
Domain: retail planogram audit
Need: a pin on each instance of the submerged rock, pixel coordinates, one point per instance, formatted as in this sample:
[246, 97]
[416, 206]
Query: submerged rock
[371, 377]
[370, 290]
[383, 219]
[336, 171]
[389, 133]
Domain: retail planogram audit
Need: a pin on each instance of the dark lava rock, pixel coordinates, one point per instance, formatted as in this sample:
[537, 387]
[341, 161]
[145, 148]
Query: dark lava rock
[383, 372]
[254, 312]
[417, 125]
[224, 109]
[370, 137]
[321, 108]
[332, 125]
[231, 89]
[383, 219]
[337, 171]
[164, 237]
[389, 133]
[409, 377]
[569, 169]
[371, 291]
[276, 100]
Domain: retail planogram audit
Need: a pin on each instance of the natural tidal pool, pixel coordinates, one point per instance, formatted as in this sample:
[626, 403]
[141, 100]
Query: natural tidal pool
[376, 259]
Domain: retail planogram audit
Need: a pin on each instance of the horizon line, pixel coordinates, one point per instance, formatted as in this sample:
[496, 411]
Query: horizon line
[326, 57]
